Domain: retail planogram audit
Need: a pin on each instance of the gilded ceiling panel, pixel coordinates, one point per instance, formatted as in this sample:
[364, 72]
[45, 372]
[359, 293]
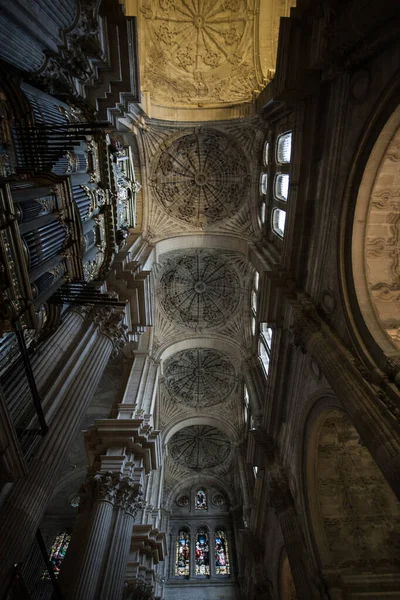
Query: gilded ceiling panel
[200, 52]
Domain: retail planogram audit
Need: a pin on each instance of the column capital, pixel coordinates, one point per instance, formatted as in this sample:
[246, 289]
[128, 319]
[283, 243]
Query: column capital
[115, 489]
[129, 496]
[306, 322]
[280, 496]
[110, 324]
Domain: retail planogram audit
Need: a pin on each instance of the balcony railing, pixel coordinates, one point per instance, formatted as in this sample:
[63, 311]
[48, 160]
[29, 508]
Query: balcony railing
[19, 392]
[34, 579]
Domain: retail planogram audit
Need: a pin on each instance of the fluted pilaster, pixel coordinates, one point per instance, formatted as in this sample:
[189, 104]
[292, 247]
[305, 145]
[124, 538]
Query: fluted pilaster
[24, 507]
[100, 568]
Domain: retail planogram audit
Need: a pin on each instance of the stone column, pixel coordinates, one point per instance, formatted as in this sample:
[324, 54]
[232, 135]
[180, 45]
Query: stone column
[370, 412]
[99, 568]
[23, 508]
[282, 502]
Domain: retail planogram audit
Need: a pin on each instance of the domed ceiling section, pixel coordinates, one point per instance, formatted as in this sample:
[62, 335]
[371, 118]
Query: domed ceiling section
[201, 178]
[199, 377]
[199, 447]
[199, 289]
[202, 54]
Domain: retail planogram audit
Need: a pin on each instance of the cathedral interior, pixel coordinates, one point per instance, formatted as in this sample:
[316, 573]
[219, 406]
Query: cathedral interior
[199, 299]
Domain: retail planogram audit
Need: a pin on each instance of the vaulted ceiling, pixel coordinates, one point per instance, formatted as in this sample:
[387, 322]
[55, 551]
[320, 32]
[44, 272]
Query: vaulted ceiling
[206, 59]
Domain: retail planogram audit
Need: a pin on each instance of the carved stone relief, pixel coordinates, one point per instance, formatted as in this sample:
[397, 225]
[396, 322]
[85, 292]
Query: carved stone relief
[359, 512]
[196, 51]
[382, 241]
[199, 447]
[201, 177]
[199, 377]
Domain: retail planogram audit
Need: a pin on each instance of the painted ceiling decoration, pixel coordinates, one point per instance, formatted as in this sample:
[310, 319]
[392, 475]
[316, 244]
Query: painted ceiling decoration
[199, 377]
[199, 289]
[199, 447]
[201, 177]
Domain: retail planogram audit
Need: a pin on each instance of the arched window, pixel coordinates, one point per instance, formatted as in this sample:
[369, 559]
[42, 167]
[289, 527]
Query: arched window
[278, 221]
[182, 564]
[284, 148]
[265, 154]
[264, 346]
[222, 566]
[202, 553]
[57, 553]
[200, 501]
[281, 190]
[254, 301]
[246, 401]
[275, 183]
[264, 184]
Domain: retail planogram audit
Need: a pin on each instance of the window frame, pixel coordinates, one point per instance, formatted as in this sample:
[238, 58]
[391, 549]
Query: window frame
[274, 169]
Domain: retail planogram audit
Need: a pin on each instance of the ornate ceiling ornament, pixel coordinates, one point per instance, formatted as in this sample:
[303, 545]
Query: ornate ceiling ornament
[200, 51]
[201, 177]
[199, 447]
[199, 289]
[199, 377]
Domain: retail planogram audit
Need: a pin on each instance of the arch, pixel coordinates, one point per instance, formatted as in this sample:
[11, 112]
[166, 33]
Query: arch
[371, 342]
[354, 514]
[375, 239]
[179, 423]
[199, 240]
[226, 346]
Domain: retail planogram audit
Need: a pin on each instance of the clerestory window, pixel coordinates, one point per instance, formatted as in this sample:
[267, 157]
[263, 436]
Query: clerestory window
[275, 182]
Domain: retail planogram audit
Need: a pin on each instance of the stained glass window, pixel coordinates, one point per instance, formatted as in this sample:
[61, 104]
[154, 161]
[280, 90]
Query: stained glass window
[202, 553]
[221, 553]
[200, 500]
[57, 553]
[182, 565]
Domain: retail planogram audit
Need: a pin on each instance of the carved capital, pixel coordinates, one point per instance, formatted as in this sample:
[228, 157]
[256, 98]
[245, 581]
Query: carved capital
[104, 486]
[306, 323]
[109, 322]
[280, 496]
[129, 496]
